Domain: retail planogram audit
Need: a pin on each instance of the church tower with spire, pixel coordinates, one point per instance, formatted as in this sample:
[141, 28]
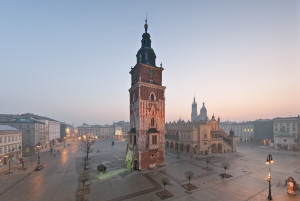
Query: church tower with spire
[145, 148]
[203, 113]
[194, 113]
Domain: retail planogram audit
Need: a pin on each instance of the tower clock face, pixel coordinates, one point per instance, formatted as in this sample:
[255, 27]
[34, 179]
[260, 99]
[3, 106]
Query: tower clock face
[151, 73]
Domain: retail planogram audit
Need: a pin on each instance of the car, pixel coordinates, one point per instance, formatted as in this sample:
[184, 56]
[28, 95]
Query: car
[38, 168]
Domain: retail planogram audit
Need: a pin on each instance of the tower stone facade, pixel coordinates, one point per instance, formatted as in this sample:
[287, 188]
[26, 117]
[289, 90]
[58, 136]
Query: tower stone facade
[146, 149]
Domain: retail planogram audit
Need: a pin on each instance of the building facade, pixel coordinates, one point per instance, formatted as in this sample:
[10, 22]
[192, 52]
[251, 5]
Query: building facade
[36, 129]
[117, 129]
[86, 129]
[121, 128]
[146, 149]
[286, 131]
[244, 131]
[10, 144]
[263, 131]
[201, 138]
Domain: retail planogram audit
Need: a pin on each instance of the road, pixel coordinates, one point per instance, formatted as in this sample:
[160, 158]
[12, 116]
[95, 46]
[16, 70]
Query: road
[57, 181]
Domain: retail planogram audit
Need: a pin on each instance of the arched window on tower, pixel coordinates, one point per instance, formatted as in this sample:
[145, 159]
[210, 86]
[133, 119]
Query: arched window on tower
[152, 97]
[152, 122]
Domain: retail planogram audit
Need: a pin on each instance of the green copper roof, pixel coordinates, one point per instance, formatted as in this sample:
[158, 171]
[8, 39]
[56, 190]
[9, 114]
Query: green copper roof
[25, 120]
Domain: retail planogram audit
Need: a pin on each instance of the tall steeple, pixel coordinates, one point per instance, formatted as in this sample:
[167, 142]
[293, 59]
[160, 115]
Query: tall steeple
[146, 54]
[194, 113]
[203, 113]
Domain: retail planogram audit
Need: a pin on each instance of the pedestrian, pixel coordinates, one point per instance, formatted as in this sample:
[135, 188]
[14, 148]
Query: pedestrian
[54, 155]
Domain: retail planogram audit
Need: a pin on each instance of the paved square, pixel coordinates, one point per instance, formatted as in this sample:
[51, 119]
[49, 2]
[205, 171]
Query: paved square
[248, 169]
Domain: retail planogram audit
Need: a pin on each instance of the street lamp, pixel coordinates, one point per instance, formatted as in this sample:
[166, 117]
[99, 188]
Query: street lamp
[38, 146]
[269, 161]
[64, 141]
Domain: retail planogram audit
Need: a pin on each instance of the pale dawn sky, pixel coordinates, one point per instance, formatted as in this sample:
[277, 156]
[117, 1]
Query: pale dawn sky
[70, 60]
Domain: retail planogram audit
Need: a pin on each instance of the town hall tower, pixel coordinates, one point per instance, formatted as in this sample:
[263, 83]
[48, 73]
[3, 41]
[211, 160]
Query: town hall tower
[146, 146]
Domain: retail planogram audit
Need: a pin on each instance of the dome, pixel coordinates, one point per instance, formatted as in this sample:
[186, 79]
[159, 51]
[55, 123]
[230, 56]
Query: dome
[146, 54]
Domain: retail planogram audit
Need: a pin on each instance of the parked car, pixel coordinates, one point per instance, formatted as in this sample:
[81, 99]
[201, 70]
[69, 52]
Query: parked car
[38, 168]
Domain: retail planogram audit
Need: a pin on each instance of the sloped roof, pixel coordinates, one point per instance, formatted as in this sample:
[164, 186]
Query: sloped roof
[153, 130]
[25, 120]
[7, 128]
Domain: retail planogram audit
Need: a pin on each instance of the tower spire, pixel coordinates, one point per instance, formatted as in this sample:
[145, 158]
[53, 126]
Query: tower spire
[146, 25]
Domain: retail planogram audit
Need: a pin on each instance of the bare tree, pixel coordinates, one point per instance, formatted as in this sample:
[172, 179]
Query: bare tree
[83, 177]
[225, 166]
[10, 156]
[86, 145]
[189, 175]
[165, 181]
[177, 149]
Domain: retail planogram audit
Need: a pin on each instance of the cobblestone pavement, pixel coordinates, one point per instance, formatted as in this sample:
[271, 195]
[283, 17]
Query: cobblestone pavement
[248, 171]
[59, 179]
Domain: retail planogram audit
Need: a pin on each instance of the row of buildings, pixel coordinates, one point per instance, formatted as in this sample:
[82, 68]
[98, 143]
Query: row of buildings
[22, 133]
[117, 129]
[281, 132]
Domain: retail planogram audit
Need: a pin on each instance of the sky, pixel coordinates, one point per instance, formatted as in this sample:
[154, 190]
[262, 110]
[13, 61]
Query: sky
[70, 60]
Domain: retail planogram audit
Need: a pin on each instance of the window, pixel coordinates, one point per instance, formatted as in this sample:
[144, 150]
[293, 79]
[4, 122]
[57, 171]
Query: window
[5, 139]
[8, 139]
[152, 96]
[0, 150]
[20, 126]
[205, 143]
[27, 126]
[205, 135]
[133, 97]
[12, 138]
[0, 139]
[154, 139]
[130, 137]
[134, 140]
[152, 122]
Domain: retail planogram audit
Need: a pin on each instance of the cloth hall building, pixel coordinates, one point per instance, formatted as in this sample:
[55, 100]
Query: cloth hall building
[199, 136]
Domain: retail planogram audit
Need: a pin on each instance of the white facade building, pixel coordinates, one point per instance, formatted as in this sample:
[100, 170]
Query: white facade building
[10, 144]
[286, 132]
[244, 131]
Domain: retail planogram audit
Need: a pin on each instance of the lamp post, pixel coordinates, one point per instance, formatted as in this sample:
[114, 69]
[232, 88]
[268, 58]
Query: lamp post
[269, 161]
[38, 146]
